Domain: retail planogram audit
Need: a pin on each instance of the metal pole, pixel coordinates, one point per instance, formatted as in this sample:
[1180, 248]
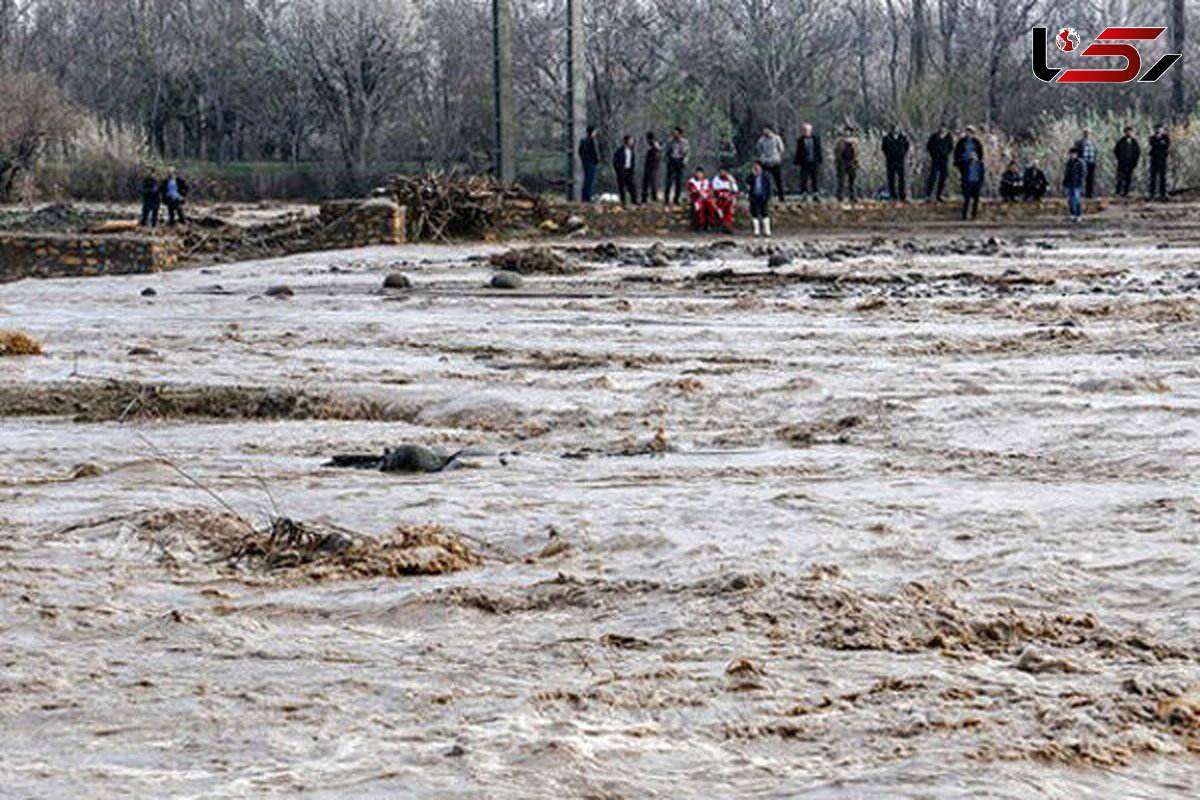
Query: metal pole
[576, 110]
[505, 151]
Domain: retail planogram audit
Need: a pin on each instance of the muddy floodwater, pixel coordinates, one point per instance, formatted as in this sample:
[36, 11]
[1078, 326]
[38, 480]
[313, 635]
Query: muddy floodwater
[902, 517]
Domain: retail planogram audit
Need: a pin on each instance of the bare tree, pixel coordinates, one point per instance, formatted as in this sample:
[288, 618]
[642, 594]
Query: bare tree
[358, 54]
[32, 114]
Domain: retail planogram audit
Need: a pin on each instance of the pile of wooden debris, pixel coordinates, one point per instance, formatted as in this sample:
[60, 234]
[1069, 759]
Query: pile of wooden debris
[441, 206]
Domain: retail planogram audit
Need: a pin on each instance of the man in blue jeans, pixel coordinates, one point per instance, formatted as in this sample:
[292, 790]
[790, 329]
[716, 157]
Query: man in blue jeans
[1074, 180]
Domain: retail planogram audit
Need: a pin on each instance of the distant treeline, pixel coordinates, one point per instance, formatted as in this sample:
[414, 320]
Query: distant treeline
[348, 84]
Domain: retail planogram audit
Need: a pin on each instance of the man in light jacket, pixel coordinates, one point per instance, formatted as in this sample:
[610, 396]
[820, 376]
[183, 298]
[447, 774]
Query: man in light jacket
[770, 153]
[677, 156]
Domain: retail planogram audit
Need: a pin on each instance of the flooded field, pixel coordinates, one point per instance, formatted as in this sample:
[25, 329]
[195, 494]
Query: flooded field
[898, 517]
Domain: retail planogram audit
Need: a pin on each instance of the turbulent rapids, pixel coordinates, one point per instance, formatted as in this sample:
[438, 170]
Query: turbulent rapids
[837, 517]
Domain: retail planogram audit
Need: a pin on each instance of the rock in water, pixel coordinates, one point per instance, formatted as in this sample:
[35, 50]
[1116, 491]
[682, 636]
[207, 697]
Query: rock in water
[280, 291]
[148, 292]
[413, 458]
[397, 280]
[657, 256]
[778, 260]
[507, 280]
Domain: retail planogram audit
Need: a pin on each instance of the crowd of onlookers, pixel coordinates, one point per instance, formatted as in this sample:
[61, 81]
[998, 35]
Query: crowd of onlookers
[964, 154]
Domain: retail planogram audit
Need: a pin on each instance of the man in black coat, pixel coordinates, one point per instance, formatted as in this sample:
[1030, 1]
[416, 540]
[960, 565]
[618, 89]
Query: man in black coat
[650, 168]
[895, 151]
[1127, 151]
[624, 163]
[808, 159]
[1160, 147]
[589, 157]
[151, 199]
[1034, 182]
[939, 146]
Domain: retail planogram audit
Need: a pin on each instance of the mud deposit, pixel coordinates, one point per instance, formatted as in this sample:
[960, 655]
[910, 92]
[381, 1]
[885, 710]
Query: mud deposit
[829, 518]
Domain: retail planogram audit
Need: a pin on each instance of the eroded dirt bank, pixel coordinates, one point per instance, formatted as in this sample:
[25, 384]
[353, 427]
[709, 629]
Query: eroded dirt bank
[846, 517]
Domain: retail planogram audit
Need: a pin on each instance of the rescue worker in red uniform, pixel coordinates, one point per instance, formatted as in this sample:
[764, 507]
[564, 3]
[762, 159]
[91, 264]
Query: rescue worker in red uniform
[700, 192]
[724, 190]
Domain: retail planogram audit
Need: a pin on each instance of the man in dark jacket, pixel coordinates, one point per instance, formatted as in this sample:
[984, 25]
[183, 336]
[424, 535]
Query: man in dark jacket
[973, 176]
[1088, 154]
[1074, 183]
[760, 200]
[968, 145]
[939, 146]
[1160, 147]
[650, 168]
[589, 156]
[624, 162]
[808, 159]
[151, 199]
[677, 156]
[895, 151]
[1128, 152]
[1034, 182]
[1011, 184]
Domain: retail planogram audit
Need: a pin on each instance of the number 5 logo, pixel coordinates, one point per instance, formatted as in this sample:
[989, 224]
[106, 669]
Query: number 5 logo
[1133, 59]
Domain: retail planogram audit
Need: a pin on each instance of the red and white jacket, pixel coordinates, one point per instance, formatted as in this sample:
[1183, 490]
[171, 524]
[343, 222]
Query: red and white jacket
[726, 184]
[699, 188]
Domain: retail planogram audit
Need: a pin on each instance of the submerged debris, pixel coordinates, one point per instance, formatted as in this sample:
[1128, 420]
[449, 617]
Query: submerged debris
[291, 550]
[533, 261]
[405, 458]
[16, 343]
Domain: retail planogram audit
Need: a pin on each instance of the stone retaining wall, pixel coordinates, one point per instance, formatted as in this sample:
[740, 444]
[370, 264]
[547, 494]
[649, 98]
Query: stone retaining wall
[801, 217]
[361, 223]
[50, 255]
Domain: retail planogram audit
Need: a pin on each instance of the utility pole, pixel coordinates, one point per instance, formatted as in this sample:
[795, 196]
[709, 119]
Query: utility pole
[1179, 40]
[576, 110]
[505, 153]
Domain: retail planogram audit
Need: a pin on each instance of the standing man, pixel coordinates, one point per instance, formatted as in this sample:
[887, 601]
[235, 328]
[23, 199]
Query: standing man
[1128, 152]
[1074, 182]
[760, 201]
[1087, 154]
[895, 151]
[589, 157]
[845, 153]
[624, 162]
[939, 147]
[174, 190]
[1160, 147]
[808, 159]
[973, 175]
[967, 146]
[151, 199]
[677, 156]
[650, 168]
[770, 153]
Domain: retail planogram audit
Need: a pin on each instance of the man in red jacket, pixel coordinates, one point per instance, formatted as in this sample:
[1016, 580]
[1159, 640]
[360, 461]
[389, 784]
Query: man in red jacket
[700, 192]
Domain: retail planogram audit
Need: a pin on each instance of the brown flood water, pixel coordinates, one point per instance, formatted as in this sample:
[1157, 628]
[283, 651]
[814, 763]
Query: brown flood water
[921, 521]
